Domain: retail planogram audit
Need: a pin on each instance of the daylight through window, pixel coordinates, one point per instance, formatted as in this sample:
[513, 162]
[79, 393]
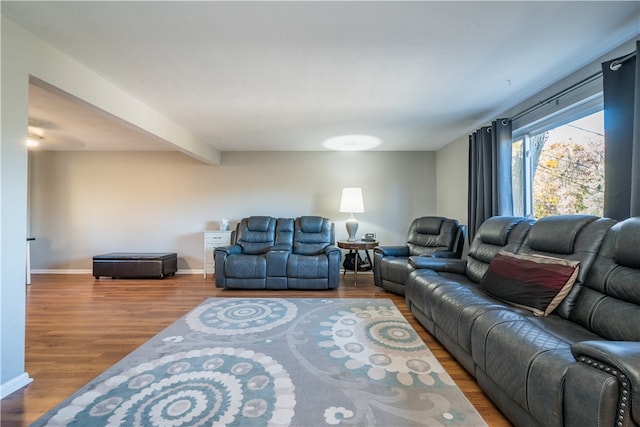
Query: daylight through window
[560, 170]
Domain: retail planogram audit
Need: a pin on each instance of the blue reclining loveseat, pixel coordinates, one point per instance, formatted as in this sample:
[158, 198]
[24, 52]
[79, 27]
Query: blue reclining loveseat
[280, 253]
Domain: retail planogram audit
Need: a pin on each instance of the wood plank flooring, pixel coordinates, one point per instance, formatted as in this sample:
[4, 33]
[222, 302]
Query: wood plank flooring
[77, 327]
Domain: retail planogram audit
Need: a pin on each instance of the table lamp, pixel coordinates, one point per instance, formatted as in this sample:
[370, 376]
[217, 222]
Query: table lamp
[351, 202]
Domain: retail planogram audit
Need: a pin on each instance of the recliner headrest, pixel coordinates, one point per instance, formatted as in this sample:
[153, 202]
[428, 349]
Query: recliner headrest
[495, 230]
[311, 224]
[557, 234]
[627, 243]
[258, 223]
[429, 224]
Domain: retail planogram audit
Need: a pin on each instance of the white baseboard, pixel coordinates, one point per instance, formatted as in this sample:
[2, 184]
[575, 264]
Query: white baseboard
[197, 271]
[89, 271]
[14, 385]
[62, 271]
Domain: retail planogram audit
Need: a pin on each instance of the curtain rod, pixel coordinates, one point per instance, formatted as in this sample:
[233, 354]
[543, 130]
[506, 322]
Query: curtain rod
[615, 65]
[558, 95]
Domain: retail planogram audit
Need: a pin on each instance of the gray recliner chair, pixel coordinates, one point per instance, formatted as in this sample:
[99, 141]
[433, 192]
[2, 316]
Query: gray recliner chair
[428, 236]
[314, 261]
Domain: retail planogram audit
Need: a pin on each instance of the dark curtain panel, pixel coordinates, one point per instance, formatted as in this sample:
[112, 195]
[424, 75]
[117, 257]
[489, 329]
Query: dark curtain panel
[621, 85]
[489, 174]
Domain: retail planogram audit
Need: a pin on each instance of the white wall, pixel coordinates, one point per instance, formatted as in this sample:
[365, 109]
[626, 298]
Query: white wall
[452, 174]
[86, 203]
[13, 199]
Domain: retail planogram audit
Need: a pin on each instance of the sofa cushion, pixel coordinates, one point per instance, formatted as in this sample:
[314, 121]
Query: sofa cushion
[307, 266]
[534, 282]
[455, 308]
[244, 266]
[527, 363]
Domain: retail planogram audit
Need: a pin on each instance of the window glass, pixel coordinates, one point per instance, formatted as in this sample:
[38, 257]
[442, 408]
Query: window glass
[518, 177]
[566, 169]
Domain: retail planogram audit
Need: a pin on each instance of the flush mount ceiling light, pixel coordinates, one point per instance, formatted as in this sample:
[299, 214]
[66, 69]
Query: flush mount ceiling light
[33, 140]
[35, 134]
[352, 142]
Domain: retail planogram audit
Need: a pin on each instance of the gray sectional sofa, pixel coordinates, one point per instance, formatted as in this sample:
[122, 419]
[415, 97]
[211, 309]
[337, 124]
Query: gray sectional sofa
[280, 253]
[579, 365]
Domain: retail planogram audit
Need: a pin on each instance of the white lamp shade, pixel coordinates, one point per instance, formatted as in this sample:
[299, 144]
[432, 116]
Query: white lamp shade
[351, 201]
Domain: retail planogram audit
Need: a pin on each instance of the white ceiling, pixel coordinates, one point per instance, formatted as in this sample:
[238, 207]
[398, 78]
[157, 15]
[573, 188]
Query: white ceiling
[287, 75]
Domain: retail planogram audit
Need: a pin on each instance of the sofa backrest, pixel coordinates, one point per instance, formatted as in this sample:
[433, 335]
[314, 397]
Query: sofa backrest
[458, 245]
[256, 234]
[572, 237]
[495, 234]
[431, 233]
[609, 300]
[312, 234]
[284, 232]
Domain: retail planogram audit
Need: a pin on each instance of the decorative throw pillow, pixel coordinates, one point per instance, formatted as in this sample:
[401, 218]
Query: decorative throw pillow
[534, 282]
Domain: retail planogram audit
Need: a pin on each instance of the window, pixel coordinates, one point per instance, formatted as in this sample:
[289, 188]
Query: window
[560, 169]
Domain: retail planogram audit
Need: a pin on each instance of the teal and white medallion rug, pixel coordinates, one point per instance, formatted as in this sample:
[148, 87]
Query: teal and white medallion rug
[275, 362]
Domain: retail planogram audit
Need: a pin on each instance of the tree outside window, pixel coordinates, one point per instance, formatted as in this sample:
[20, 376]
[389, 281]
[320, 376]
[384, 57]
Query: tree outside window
[566, 172]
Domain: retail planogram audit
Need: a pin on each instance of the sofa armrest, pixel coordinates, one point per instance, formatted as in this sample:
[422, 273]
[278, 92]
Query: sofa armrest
[391, 250]
[280, 248]
[334, 255]
[620, 359]
[220, 255]
[228, 250]
[332, 249]
[277, 261]
[447, 265]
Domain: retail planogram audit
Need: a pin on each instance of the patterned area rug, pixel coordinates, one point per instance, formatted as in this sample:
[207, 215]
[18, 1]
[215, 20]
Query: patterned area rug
[275, 362]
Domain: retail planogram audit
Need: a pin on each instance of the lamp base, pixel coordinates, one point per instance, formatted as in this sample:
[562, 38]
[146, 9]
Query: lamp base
[352, 229]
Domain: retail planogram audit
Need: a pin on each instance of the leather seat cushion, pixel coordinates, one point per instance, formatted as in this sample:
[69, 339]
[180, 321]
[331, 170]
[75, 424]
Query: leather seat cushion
[455, 308]
[245, 266]
[308, 266]
[527, 357]
[421, 285]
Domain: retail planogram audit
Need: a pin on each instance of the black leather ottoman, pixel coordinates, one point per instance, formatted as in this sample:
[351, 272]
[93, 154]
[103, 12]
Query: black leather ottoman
[128, 265]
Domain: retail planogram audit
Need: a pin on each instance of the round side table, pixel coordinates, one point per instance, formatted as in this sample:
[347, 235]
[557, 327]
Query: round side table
[355, 246]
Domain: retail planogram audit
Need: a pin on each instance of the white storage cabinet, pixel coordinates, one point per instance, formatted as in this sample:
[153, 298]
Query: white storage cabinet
[212, 240]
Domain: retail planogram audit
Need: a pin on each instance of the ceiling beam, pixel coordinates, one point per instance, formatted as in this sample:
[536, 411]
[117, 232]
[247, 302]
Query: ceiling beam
[54, 68]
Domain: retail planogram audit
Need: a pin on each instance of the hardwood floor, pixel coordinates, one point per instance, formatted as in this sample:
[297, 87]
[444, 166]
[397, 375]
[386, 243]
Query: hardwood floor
[77, 327]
